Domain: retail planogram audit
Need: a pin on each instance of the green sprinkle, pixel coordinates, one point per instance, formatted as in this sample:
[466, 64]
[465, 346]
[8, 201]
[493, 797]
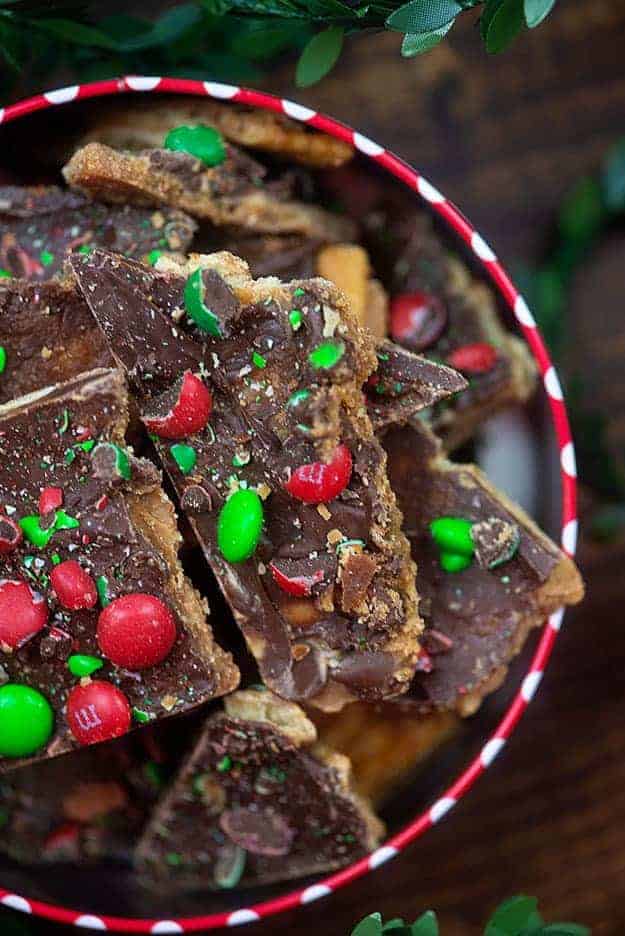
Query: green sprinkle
[63, 521]
[173, 859]
[382, 356]
[55, 558]
[258, 360]
[64, 425]
[204, 318]
[140, 716]
[185, 457]
[70, 456]
[102, 586]
[398, 387]
[296, 398]
[85, 249]
[87, 446]
[205, 143]
[46, 258]
[240, 459]
[295, 318]
[349, 542]
[298, 292]
[81, 664]
[5, 274]
[153, 256]
[229, 875]
[225, 764]
[3, 359]
[327, 354]
[505, 579]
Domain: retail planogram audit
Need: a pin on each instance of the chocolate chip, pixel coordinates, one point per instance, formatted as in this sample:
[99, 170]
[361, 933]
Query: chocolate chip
[262, 833]
[496, 541]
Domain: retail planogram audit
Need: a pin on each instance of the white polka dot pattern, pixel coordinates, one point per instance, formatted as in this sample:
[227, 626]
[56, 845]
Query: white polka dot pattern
[523, 314]
[555, 621]
[367, 146]
[315, 892]
[297, 111]
[552, 384]
[224, 91]
[569, 536]
[427, 191]
[87, 921]
[142, 82]
[490, 751]
[242, 916]
[62, 96]
[440, 808]
[16, 903]
[166, 926]
[567, 460]
[530, 685]
[381, 855]
[481, 248]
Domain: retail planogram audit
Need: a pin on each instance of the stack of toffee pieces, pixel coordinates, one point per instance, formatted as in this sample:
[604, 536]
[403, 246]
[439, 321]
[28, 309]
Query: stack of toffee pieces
[205, 370]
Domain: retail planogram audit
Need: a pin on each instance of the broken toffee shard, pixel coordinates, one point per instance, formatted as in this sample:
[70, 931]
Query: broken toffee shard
[234, 191]
[252, 390]
[258, 800]
[41, 224]
[99, 628]
[485, 579]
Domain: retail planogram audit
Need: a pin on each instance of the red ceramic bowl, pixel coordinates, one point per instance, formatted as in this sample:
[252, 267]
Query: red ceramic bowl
[243, 907]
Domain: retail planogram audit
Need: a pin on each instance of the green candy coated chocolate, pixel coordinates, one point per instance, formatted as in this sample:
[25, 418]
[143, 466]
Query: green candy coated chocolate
[239, 526]
[205, 143]
[3, 359]
[295, 318]
[40, 536]
[185, 457]
[26, 720]
[153, 256]
[204, 318]
[46, 258]
[102, 586]
[5, 274]
[259, 361]
[453, 535]
[327, 354]
[454, 562]
[81, 664]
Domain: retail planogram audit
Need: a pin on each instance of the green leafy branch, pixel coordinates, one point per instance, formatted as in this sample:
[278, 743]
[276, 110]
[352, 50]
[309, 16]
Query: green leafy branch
[517, 916]
[588, 211]
[232, 38]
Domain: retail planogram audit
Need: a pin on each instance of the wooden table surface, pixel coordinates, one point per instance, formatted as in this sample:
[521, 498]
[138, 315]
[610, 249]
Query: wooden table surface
[505, 137]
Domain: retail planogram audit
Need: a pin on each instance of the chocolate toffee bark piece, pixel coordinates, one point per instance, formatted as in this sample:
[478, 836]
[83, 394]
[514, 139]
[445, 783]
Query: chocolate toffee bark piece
[385, 744]
[99, 628]
[275, 462]
[259, 800]
[89, 806]
[143, 125]
[47, 335]
[405, 384]
[439, 309]
[41, 224]
[231, 190]
[486, 573]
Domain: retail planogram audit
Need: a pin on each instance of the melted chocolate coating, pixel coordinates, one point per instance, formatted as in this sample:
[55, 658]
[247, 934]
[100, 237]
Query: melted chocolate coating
[300, 644]
[41, 224]
[249, 796]
[476, 619]
[45, 439]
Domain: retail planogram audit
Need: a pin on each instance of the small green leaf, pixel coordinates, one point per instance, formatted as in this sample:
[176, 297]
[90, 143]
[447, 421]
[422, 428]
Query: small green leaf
[506, 22]
[319, 56]
[423, 16]
[426, 925]
[416, 43]
[167, 29]
[370, 926]
[513, 916]
[77, 33]
[395, 924]
[613, 178]
[536, 11]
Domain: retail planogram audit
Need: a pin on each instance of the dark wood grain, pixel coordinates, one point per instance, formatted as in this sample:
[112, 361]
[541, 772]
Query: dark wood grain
[505, 137]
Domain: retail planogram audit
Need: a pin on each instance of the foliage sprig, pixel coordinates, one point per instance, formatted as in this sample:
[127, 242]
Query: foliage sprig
[232, 38]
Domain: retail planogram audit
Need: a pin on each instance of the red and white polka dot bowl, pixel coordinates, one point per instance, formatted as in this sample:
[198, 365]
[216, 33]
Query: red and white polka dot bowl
[491, 746]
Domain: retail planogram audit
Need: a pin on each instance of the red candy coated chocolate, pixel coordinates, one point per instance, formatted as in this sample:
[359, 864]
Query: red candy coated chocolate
[97, 711]
[74, 587]
[418, 319]
[10, 535]
[188, 414]
[476, 358]
[23, 613]
[317, 482]
[300, 586]
[136, 631]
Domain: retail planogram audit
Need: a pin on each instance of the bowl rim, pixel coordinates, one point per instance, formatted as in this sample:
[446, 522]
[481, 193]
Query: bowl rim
[488, 261]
